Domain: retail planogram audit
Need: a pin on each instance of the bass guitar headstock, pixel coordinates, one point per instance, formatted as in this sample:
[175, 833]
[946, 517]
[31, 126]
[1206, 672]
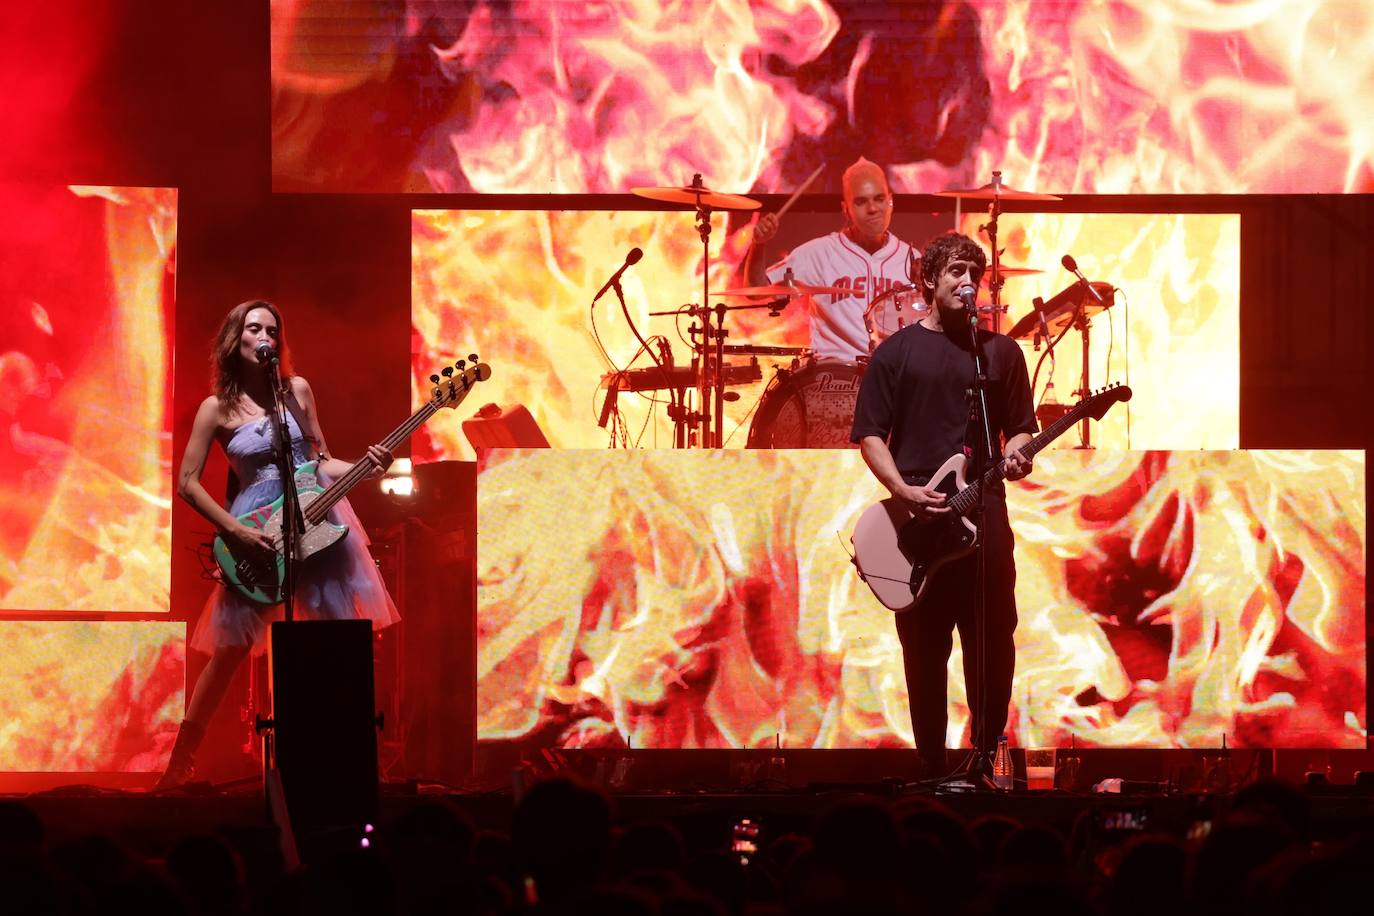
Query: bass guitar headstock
[452, 383]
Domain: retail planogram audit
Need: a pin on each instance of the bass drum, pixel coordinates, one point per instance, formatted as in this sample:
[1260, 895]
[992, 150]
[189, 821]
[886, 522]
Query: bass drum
[808, 406]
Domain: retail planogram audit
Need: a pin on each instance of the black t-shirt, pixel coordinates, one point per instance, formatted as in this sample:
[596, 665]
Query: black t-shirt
[918, 391]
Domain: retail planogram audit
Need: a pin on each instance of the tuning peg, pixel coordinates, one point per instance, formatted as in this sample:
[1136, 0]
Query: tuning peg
[472, 358]
[461, 364]
[434, 379]
[448, 372]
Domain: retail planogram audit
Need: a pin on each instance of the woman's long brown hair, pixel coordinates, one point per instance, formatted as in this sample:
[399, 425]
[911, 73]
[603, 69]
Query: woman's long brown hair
[226, 365]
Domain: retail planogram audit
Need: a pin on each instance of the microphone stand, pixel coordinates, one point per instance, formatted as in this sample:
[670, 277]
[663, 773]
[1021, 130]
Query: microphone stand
[293, 523]
[980, 761]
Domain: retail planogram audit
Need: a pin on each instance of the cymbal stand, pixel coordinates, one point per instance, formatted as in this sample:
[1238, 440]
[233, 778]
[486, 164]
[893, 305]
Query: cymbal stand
[1082, 322]
[990, 230]
[711, 382]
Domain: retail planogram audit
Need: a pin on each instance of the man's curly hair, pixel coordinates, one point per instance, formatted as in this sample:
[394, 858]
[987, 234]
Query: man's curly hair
[952, 246]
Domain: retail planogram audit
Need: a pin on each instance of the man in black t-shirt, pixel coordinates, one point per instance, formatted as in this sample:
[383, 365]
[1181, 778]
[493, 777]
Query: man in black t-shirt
[915, 411]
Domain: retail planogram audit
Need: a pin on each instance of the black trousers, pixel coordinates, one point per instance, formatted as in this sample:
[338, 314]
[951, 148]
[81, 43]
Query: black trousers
[926, 633]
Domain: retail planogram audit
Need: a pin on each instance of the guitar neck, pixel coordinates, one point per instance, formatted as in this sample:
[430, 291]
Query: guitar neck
[315, 512]
[967, 498]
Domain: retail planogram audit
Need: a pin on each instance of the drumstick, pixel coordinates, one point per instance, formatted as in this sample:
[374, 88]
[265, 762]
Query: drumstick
[798, 193]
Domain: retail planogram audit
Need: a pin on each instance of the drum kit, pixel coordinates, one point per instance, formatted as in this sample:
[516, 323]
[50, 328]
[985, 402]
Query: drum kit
[810, 404]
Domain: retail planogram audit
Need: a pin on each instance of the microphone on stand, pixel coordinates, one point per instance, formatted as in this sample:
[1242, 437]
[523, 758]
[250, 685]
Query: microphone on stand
[631, 258]
[265, 353]
[968, 294]
[1072, 266]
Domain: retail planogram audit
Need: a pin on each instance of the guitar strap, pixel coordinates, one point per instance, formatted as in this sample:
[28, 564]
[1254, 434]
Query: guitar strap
[299, 413]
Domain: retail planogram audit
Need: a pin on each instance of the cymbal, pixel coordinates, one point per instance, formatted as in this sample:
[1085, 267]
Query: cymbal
[782, 289]
[1011, 272]
[694, 196]
[995, 192]
[1061, 308]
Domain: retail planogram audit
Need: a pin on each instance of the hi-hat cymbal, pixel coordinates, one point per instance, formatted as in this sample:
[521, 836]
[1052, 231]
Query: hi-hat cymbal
[778, 290]
[995, 192]
[698, 196]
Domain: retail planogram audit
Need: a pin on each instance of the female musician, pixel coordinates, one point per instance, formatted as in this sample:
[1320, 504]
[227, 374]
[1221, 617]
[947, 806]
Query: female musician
[340, 582]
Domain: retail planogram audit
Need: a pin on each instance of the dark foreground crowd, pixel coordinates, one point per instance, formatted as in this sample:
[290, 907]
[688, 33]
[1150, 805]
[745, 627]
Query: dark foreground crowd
[566, 852]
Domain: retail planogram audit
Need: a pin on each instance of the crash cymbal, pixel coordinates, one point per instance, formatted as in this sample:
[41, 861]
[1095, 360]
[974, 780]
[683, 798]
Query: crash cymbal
[694, 196]
[782, 289]
[1011, 272]
[995, 192]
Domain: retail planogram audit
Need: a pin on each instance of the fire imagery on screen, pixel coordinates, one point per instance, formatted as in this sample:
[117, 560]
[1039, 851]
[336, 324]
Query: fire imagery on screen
[523, 283]
[87, 278]
[671, 599]
[1121, 97]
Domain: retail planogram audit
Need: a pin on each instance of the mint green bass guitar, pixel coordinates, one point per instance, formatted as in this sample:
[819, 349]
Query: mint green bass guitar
[259, 575]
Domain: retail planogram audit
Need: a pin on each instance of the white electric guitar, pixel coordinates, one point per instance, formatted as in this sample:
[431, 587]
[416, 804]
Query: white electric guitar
[897, 555]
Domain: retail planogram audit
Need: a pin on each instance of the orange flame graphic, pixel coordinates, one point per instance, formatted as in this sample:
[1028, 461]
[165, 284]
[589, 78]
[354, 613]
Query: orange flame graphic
[90, 696]
[92, 509]
[520, 283]
[701, 600]
[1130, 96]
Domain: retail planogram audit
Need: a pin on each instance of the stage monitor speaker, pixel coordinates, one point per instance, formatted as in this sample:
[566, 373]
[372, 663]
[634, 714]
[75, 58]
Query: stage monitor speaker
[504, 427]
[324, 722]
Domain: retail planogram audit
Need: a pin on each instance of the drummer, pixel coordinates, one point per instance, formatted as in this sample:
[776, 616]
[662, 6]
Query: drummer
[863, 256]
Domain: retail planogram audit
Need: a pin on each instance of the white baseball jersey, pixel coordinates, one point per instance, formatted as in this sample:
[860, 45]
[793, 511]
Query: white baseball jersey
[837, 322]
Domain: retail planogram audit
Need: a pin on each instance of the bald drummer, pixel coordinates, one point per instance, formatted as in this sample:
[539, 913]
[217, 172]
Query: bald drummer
[863, 257]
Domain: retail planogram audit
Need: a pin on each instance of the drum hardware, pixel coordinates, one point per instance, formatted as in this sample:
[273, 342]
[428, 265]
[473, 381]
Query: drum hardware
[706, 365]
[995, 192]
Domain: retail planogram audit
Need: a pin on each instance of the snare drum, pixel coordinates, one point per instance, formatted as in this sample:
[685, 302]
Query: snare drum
[893, 310]
[808, 406]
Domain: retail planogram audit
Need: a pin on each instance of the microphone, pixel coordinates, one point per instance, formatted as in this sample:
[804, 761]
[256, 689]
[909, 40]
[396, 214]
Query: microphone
[968, 295]
[265, 353]
[631, 258]
[1072, 266]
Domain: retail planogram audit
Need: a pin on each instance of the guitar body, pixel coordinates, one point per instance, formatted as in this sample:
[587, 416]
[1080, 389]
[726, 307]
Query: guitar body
[258, 576]
[897, 555]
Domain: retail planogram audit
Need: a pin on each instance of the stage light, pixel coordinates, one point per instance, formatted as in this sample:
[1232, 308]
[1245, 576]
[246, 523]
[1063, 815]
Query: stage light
[398, 480]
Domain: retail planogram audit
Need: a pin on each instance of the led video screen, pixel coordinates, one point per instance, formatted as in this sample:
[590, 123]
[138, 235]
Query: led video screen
[517, 286]
[678, 599]
[530, 96]
[90, 697]
[85, 394]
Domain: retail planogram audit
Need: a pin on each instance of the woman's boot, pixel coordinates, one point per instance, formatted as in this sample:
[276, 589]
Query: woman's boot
[182, 764]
